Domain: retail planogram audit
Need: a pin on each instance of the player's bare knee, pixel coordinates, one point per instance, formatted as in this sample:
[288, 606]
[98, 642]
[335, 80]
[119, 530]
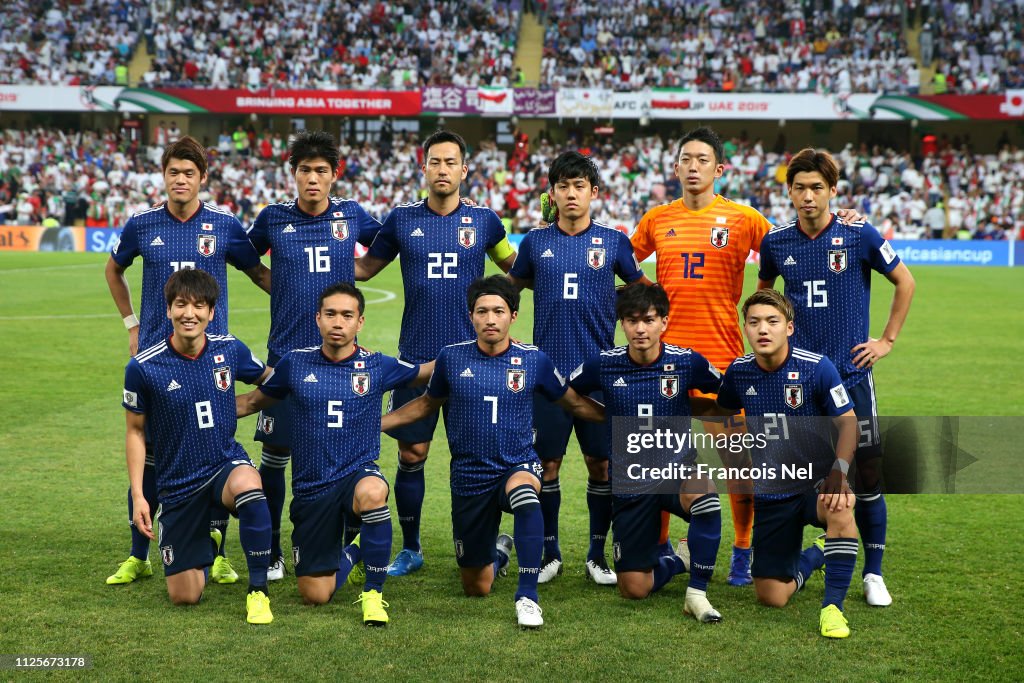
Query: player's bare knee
[597, 468]
[476, 587]
[371, 493]
[183, 597]
[841, 524]
[551, 468]
[315, 592]
[635, 585]
[413, 453]
[771, 595]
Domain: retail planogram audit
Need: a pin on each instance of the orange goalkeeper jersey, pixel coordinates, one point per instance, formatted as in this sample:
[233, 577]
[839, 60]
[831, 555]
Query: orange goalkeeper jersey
[701, 257]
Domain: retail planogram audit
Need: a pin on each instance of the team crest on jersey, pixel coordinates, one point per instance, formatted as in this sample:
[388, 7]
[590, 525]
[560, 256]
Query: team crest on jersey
[515, 379]
[794, 395]
[360, 383]
[719, 237]
[669, 385]
[167, 554]
[460, 549]
[207, 244]
[467, 237]
[295, 555]
[617, 552]
[596, 258]
[837, 260]
[222, 377]
[339, 230]
[266, 424]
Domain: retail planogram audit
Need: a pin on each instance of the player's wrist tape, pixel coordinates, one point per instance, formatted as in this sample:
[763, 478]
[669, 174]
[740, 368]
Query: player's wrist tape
[131, 321]
[842, 466]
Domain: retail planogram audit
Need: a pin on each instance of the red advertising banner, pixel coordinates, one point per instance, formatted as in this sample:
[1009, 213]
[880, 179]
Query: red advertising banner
[306, 102]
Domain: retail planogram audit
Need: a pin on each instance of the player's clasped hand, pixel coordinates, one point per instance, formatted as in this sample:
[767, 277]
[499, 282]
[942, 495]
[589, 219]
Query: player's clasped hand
[835, 492]
[142, 519]
[870, 352]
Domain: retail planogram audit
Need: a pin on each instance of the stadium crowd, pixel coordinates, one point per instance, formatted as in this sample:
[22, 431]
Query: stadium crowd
[979, 46]
[93, 178]
[743, 47]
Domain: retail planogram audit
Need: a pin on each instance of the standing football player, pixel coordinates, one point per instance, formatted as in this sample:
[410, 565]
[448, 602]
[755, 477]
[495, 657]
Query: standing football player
[487, 386]
[571, 266]
[336, 391]
[312, 239]
[182, 390]
[180, 234]
[826, 264]
[442, 244]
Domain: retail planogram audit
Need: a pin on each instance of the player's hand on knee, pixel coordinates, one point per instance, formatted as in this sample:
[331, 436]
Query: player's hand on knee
[835, 492]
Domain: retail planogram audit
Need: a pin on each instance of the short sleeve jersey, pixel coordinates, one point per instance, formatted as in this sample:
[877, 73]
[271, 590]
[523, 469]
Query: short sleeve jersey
[701, 259]
[828, 279]
[489, 409]
[660, 389]
[209, 240]
[189, 404]
[574, 288]
[309, 253]
[806, 385]
[441, 256]
[335, 411]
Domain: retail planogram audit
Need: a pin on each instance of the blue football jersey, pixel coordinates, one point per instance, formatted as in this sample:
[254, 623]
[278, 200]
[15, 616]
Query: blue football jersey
[574, 288]
[309, 254]
[489, 412]
[209, 240]
[640, 391]
[828, 279]
[335, 411]
[807, 385]
[189, 404]
[441, 256]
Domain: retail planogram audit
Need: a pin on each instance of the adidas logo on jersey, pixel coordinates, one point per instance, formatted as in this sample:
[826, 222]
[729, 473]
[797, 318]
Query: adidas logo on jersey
[416, 233]
[466, 373]
[157, 242]
[173, 385]
[671, 232]
[310, 378]
[790, 261]
[289, 228]
[619, 383]
[547, 254]
[751, 391]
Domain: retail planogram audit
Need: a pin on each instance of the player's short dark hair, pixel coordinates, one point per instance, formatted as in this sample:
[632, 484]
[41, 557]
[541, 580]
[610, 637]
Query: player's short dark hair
[638, 298]
[342, 288]
[439, 136]
[809, 160]
[193, 285]
[769, 297]
[310, 144]
[498, 285]
[570, 165]
[186, 148]
[707, 136]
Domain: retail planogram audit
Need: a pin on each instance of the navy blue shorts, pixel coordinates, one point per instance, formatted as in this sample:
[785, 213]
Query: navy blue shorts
[552, 426]
[319, 524]
[636, 528]
[183, 531]
[420, 430]
[866, 408]
[274, 425]
[476, 520]
[779, 533]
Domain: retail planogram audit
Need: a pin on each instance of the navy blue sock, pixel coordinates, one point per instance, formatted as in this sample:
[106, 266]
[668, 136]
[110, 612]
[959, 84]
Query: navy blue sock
[272, 467]
[375, 542]
[410, 487]
[140, 542]
[667, 567]
[704, 536]
[810, 559]
[254, 534]
[528, 536]
[350, 556]
[840, 557]
[599, 503]
[872, 519]
[550, 502]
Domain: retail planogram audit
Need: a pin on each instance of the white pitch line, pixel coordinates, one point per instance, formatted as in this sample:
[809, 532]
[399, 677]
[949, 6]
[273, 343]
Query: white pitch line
[8, 271]
[386, 296]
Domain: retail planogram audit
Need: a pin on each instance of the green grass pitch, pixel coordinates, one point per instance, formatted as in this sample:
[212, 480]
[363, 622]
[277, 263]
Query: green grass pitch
[952, 561]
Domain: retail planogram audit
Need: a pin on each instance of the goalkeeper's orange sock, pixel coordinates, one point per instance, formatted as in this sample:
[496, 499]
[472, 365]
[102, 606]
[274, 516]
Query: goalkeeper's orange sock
[742, 505]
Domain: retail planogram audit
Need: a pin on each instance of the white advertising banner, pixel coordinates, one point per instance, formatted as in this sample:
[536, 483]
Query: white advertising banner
[81, 98]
